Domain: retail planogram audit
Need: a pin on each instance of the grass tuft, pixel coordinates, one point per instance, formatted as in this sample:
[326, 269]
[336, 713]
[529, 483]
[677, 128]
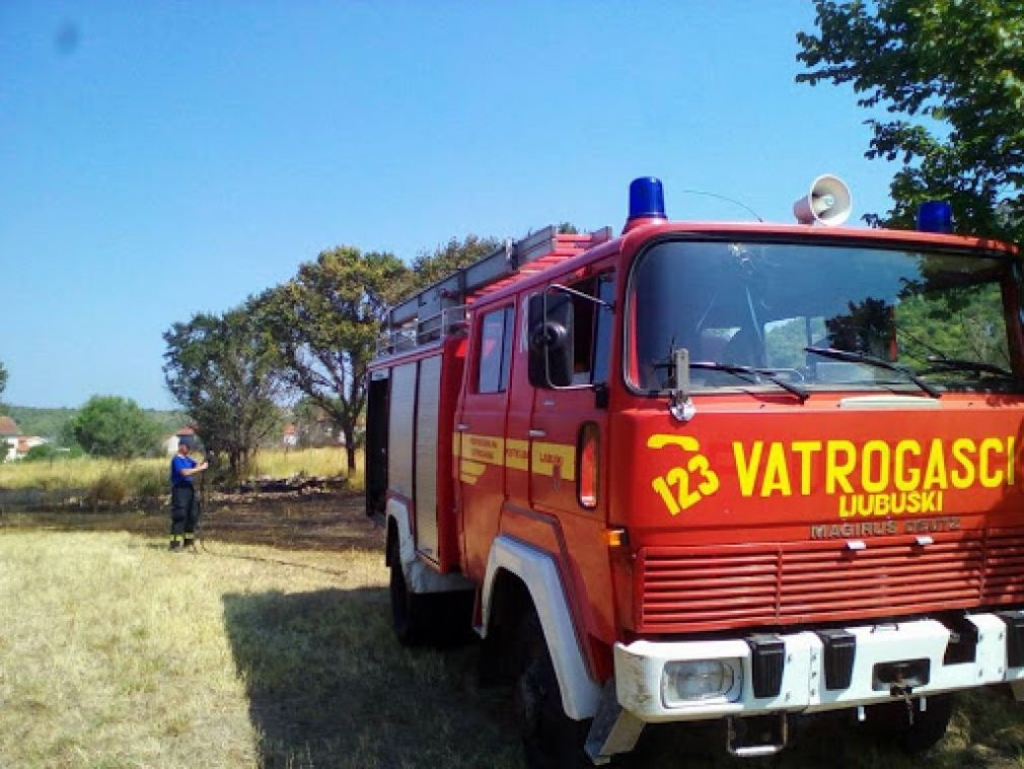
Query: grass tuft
[328, 462]
[111, 488]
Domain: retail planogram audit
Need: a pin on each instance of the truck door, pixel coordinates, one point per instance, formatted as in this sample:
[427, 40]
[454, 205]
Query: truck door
[569, 421]
[520, 416]
[480, 432]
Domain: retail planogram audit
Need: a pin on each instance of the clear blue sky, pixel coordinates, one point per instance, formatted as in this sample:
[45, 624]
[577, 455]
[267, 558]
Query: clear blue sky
[158, 159]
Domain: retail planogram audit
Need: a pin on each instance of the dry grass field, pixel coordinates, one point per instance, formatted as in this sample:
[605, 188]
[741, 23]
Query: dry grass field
[148, 477]
[271, 647]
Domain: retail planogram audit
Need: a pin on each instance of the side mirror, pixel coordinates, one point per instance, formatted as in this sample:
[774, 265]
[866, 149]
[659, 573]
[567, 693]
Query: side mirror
[551, 339]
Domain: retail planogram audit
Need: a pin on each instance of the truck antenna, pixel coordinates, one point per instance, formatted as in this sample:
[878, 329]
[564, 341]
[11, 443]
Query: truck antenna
[745, 207]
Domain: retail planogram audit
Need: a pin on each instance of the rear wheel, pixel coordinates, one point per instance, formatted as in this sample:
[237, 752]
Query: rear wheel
[551, 740]
[407, 609]
[437, 619]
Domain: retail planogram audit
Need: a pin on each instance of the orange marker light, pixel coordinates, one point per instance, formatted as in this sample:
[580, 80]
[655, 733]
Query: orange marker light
[616, 538]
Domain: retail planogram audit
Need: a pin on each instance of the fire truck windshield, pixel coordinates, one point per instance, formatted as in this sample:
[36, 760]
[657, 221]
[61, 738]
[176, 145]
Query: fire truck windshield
[823, 316]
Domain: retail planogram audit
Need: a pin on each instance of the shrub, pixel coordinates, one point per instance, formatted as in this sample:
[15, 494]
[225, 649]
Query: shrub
[147, 482]
[46, 451]
[111, 487]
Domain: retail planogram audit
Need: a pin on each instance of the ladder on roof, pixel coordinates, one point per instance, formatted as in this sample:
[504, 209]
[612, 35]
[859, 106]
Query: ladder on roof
[437, 310]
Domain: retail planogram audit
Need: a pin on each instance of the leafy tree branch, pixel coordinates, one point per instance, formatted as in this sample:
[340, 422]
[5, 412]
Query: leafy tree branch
[952, 74]
[324, 325]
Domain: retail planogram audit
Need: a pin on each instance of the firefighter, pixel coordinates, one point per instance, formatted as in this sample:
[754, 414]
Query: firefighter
[184, 503]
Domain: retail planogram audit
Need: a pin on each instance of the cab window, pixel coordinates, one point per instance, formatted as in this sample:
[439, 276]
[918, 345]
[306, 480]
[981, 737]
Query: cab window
[494, 356]
[592, 329]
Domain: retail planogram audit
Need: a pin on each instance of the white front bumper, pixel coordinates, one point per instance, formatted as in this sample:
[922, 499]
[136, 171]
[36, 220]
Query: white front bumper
[639, 667]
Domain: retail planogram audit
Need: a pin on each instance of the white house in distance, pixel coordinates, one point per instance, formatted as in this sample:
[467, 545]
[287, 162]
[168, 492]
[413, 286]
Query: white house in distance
[25, 443]
[184, 435]
[290, 438]
[8, 439]
[14, 445]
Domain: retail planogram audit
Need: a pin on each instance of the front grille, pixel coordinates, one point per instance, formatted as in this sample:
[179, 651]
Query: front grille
[710, 588]
[1004, 569]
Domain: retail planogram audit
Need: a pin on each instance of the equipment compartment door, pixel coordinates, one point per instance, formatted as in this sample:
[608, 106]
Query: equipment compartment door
[428, 400]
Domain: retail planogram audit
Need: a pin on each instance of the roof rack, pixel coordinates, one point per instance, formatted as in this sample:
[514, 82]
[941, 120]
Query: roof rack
[438, 310]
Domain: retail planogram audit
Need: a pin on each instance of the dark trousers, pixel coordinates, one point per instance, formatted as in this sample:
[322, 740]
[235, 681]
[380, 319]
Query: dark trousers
[184, 511]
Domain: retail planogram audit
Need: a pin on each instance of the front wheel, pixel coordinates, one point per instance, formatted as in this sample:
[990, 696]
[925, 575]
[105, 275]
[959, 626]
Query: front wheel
[551, 740]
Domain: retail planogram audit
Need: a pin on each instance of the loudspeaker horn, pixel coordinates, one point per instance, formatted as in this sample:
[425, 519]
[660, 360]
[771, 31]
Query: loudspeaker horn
[828, 202]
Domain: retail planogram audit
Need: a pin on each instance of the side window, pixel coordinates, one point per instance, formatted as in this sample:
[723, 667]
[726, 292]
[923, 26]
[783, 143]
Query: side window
[592, 329]
[494, 356]
[603, 332]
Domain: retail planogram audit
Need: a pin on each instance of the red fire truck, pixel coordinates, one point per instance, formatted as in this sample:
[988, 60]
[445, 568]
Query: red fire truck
[711, 471]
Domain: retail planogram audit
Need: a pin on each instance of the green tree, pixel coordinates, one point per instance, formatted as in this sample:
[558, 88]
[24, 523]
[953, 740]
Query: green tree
[430, 267]
[224, 371]
[111, 426]
[3, 386]
[315, 426]
[954, 71]
[957, 323]
[325, 323]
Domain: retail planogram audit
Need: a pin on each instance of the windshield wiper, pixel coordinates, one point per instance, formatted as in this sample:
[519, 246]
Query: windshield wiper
[958, 364]
[870, 360]
[753, 375]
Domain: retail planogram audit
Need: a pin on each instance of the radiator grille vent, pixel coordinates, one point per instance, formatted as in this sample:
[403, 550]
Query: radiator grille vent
[708, 588]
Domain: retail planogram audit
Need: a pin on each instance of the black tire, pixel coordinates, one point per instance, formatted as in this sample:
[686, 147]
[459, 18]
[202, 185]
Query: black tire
[435, 619]
[551, 740]
[891, 722]
[408, 610]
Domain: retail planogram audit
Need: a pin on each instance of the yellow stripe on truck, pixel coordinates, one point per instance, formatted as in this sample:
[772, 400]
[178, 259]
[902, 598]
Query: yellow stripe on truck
[470, 472]
[549, 458]
[476, 452]
[488, 449]
[517, 454]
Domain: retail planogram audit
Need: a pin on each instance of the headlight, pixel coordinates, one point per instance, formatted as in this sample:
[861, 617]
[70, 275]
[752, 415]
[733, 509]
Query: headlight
[690, 681]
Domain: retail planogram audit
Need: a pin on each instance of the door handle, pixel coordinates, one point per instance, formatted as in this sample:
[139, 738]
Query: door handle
[538, 434]
[461, 427]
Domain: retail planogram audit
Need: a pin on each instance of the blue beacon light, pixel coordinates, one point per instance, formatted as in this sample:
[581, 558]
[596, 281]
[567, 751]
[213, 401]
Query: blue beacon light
[935, 216]
[646, 199]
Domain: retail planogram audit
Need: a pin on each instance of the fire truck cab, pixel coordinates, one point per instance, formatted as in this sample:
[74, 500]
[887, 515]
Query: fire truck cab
[711, 471]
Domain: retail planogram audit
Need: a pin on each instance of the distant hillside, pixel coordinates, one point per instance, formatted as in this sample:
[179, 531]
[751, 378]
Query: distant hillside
[48, 422]
[36, 421]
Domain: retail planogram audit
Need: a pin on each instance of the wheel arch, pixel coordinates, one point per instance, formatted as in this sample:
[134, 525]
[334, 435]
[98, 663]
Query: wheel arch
[511, 562]
[399, 529]
[420, 577]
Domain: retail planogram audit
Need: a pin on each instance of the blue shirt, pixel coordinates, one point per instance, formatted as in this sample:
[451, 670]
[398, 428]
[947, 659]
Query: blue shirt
[179, 463]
